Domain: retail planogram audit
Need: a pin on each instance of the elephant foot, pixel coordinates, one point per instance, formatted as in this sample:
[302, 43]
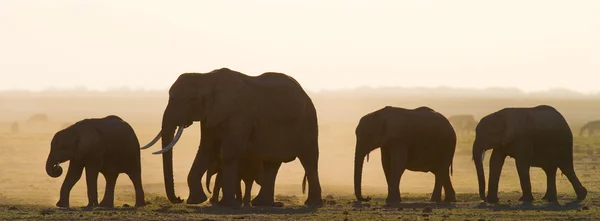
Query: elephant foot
[581, 193]
[214, 200]
[63, 204]
[492, 199]
[395, 201]
[107, 204]
[90, 205]
[260, 200]
[196, 199]
[140, 204]
[314, 201]
[550, 198]
[436, 199]
[450, 199]
[229, 203]
[278, 204]
[526, 198]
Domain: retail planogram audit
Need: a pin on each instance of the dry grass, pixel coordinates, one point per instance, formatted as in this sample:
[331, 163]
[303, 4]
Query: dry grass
[26, 192]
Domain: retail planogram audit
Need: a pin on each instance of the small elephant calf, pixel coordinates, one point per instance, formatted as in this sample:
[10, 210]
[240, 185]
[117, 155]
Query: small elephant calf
[250, 170]
[100, 145]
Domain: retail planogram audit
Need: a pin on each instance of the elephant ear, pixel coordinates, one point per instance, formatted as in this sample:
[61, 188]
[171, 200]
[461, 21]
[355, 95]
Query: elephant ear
[226, 98]
[88, 140]
[380, 129]
[514, 125]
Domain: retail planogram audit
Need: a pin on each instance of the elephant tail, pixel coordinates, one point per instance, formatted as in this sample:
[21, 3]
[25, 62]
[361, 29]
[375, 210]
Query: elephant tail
[304, 183]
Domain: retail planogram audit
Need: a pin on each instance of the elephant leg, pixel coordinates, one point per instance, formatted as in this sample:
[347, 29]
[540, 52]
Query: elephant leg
[216, 189]
[204, 158]
[580, 190]
[230, 177]
[108, 200]
[385, 164]
[450, 194]
[398, 162]
[238, 194]
[310, 162]
[266, 195]
[91, 178]
[74, 174]
[523, 171]
[496, 163]
[436, 195]
[247, 192]
[550, 195]
[136, 179]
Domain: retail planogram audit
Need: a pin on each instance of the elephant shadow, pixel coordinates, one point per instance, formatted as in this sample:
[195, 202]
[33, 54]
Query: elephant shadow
[216, 210]
[573, 205]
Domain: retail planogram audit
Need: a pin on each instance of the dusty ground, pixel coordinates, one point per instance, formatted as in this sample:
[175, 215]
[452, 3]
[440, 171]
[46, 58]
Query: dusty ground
[27, 193]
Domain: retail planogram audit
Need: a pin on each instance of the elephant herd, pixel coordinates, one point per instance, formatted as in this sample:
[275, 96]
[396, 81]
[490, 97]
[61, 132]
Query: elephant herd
[250, 125]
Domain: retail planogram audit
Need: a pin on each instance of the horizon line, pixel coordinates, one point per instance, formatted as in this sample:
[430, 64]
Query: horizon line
[325, 90]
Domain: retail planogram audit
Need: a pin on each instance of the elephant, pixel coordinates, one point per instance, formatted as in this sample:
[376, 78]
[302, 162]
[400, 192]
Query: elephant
[536, 136]
[14, 127]
[418, 139]
[269, 117]
[591, 127]
[38, 118]
[463, 124]
[470, 127]
[250, 170]
[100, 145]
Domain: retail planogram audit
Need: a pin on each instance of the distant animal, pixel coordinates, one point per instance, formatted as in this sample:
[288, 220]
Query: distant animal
[269, 116]
[463, 124]
[471, 126]
[591, 128]
[14, 127]
[535, 137]
[38, 118]
[250, 170]
[100, 145]
[418, 139]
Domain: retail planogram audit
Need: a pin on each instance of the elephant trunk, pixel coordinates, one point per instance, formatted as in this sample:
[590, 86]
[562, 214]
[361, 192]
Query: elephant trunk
[359, 159]
[166, 138]
[478, 154]
[52, 168]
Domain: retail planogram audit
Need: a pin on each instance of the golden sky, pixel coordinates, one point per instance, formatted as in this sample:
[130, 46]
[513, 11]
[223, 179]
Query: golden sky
[324, 44]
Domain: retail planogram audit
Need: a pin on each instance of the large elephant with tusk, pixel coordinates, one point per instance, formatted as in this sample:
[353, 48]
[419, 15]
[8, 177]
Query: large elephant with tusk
[269, 117]
[535, 137]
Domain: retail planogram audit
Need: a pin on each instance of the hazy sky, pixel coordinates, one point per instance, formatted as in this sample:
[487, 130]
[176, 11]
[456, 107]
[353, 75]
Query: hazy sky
[532, 45]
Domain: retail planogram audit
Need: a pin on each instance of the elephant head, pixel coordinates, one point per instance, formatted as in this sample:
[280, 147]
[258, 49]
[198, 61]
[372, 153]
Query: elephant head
[210, 98]
[71, 143]
[496, 130]
[370, 134]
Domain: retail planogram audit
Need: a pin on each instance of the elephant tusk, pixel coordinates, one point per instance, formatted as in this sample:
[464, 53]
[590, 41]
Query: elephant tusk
[482, 156]
[173, 142]
[152, 142]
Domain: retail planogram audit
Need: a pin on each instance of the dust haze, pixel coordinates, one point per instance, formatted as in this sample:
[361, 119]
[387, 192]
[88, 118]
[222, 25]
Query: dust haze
[30, 119]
